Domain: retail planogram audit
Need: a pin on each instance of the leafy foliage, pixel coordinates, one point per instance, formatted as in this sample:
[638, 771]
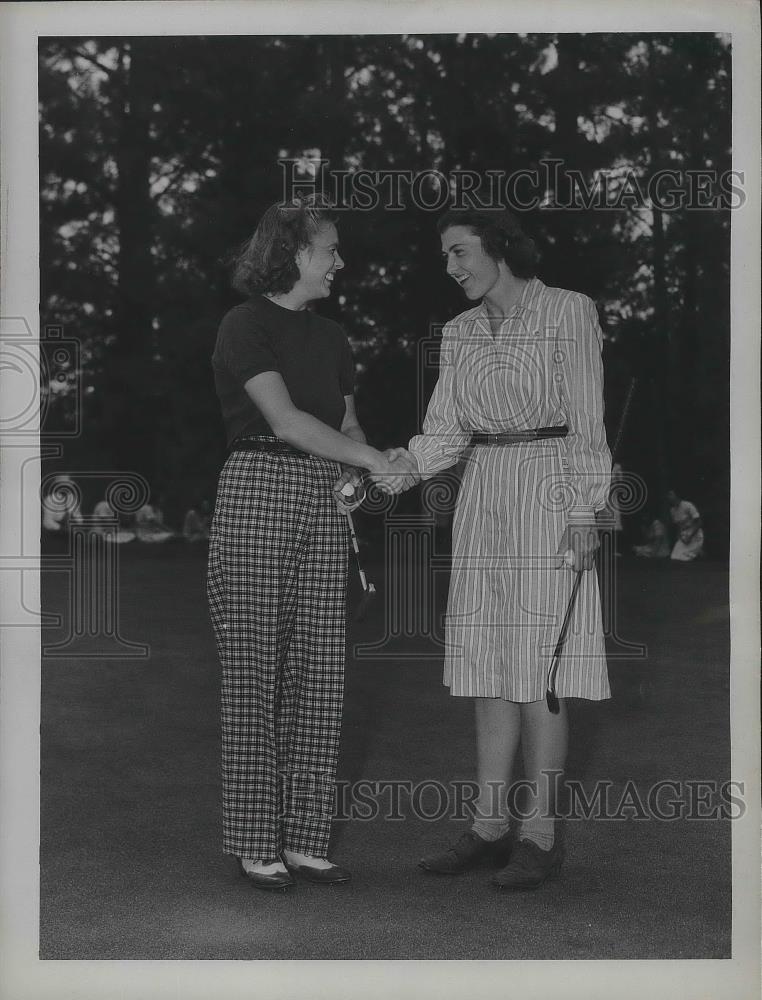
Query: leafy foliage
[159, 154]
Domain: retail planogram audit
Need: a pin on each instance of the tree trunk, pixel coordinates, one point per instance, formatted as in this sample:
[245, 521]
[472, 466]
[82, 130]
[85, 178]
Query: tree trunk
[565, 103]
[660, 339]
[333, 72]
[133, 406]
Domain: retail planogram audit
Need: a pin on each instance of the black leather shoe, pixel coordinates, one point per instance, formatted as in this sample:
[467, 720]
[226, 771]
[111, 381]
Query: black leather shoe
[278, 881]
[529, 866]
[469, 852]
[333, 875]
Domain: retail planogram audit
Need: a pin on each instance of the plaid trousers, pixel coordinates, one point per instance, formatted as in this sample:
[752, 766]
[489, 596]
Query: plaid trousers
[277, 596]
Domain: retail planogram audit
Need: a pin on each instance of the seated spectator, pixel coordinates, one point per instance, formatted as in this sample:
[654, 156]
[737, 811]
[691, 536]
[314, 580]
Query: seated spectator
[60, 507]
[108, 524]
[196, 523]
[60, 510]
[150, 526]
[690, 534]
[656, 541]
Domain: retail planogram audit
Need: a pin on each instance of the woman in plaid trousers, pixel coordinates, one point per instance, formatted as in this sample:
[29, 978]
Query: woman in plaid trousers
[278, 547]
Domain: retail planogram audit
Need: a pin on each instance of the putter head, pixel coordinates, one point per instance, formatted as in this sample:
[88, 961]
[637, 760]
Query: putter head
[365, 602]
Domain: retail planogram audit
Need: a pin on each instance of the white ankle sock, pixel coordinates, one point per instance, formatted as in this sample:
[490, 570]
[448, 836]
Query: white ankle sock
[295, 858]
[263, 867]
[543, 838]
[490, 828]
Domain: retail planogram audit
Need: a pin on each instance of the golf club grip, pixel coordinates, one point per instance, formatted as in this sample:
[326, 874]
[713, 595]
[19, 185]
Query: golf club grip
[623, 418]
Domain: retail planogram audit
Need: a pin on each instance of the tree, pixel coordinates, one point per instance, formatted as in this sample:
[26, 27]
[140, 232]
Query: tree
[159, 155]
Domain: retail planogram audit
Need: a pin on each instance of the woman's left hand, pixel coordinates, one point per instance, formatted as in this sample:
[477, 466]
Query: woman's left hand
[579, 546]
[347, 503]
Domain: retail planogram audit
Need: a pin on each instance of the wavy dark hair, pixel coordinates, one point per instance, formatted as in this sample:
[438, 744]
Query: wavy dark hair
[266, 263]
[501, 235]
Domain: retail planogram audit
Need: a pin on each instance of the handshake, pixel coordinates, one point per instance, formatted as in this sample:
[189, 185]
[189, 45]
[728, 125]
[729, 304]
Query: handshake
[394, 472]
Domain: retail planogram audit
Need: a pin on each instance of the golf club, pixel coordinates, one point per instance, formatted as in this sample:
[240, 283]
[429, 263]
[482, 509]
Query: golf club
[550, 696]
[369, 590]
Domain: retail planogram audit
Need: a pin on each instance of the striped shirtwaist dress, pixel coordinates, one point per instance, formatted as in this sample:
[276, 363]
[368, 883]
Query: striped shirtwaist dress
[509, 587]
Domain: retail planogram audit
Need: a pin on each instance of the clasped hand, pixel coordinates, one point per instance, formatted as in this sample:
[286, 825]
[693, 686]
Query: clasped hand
[397, 472]
[394, 471]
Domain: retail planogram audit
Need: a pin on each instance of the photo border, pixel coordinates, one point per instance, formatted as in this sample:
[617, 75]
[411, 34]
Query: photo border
[23, 974]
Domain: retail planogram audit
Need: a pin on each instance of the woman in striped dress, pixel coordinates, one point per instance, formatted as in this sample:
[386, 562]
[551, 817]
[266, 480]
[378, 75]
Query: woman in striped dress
[278, 548]
[520, 394]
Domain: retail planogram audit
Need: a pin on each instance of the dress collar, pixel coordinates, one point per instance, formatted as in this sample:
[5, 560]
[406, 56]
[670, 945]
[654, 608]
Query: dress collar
[530, 297]
[529, 300]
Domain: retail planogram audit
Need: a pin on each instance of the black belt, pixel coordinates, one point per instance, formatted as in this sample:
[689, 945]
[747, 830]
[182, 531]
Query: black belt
[516, 437]
[271, 444]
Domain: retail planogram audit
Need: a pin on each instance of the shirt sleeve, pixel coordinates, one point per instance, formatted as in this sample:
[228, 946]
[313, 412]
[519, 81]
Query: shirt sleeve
[244, 348]
[443, 438]
[346, 367]
[588, 458]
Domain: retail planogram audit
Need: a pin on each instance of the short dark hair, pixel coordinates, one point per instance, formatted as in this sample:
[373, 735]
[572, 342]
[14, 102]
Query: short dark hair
[266, 263]
[501, 235]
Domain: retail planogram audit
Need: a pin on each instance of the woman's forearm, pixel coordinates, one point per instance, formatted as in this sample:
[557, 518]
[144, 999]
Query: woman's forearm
[307, 433]
[355, 432]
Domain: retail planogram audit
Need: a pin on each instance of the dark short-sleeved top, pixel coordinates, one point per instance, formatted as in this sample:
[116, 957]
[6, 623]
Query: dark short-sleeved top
[310, 352]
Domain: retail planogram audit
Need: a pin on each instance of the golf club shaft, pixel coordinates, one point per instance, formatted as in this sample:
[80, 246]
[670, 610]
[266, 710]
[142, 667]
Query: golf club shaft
[356, 549]
[551, 691]
[567, 616]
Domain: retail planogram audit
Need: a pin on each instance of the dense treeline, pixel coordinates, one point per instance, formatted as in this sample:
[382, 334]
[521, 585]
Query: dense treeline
[159, 154]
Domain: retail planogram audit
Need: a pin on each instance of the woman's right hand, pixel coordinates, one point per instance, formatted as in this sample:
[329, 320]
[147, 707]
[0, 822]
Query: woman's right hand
[394, 471]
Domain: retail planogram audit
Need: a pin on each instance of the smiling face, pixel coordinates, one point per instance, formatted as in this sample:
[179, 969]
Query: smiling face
[318, 263]
[467, 263]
